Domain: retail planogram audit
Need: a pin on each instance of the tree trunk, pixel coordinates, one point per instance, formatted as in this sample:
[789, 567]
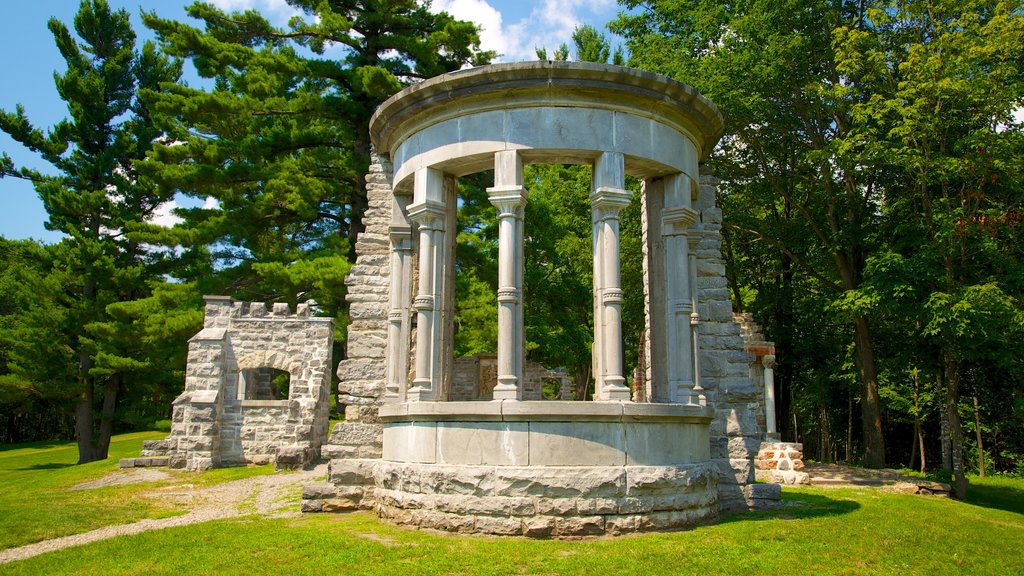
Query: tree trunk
[871, 413]
[83, 422]
[955, 433]
[977, 432]
[581, 383]
[110, 392]
[918, 441]
[940, 392]
[849, 427]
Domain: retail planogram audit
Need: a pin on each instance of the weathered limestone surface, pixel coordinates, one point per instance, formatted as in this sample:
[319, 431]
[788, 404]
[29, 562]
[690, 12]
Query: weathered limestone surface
[534, 501]
[724, 362]
[362, 373]
[224, 417]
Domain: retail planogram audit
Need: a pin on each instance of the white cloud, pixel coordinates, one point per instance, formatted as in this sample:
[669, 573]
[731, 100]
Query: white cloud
[277, 11]
[548, 25]
[211, 203]
[164, 216]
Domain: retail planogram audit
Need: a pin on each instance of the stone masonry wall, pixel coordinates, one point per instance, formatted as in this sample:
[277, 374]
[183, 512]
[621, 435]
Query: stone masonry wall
[470, 370]
[724, 365]
[362, 373]
[213, 424]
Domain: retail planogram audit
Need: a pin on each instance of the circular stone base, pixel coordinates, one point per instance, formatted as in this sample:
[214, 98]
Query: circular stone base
[550, 501]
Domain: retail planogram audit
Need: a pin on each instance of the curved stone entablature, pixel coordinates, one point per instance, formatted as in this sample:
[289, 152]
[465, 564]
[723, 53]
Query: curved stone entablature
[553, 112]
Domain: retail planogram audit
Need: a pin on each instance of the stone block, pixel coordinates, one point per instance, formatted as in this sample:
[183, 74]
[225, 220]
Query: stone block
[311, 506]
[569, 444]
[763, 491]
[352, 472]
[665, 444]
[410, 442]
[319, 491]
[499, 525]
[357, 434]
[738, 390]
[560, 482]
[483, 443]
[579, 526]
[538, 527]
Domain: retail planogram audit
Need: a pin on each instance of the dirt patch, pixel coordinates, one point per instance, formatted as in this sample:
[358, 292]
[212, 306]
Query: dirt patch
[129, 476]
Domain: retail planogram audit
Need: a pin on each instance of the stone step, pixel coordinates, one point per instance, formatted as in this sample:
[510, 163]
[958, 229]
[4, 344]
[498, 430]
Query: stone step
[144, 462]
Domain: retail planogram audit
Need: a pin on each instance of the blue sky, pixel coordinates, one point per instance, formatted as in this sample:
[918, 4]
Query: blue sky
[511, 27]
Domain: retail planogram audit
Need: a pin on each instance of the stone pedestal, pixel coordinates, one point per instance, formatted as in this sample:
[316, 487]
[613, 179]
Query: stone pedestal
[781, 462]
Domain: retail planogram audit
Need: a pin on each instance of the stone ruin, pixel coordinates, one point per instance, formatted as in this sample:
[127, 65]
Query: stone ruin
[473, 444]
[415, 447]
[776, 462]
[232, 412]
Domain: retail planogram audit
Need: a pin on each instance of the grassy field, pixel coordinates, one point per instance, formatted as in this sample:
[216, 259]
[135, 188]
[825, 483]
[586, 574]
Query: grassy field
[38, 502]
[861, 531]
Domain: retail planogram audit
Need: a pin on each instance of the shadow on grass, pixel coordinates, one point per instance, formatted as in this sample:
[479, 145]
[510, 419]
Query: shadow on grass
[997, 496]
[40, 445]
[48, 466]
[797, 506]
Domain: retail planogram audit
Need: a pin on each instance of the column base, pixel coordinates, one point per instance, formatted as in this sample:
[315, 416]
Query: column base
[421, 391]
[507, 388]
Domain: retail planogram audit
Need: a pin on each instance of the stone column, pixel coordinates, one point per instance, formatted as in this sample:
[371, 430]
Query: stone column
[608, 198]
[509, 198]
[428, 210]
[771, 428]
[399, 319]
[676, 219]
[693, 240]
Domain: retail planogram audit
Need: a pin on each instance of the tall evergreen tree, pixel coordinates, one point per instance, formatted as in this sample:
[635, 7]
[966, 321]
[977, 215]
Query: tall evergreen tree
[95, 198]
[279, 146]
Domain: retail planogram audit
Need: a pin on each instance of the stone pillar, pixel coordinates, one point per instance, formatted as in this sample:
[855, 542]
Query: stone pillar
[608, 198]
[399, 319]
[509, 198]
[677, 217]
[428, 210]
[771, 428]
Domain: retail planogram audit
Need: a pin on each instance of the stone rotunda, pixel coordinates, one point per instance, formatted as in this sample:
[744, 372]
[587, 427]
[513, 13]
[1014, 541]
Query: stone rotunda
[510, 465]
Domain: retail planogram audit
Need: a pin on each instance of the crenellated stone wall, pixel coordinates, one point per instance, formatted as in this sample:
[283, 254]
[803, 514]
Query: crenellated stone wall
[225, 416]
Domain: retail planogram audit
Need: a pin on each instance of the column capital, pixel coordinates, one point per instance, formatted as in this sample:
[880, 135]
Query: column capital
[429, 214]
[508, 200]
[399, 233]
[768, 361]
[677, 220]
[608, 201]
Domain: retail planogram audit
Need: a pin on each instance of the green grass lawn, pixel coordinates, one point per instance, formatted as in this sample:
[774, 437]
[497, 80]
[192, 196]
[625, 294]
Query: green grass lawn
[862, 531]
[37, 501]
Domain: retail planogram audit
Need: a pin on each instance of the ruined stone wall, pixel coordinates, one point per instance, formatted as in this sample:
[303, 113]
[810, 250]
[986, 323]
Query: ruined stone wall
[212, 422]
[476, 376]
[754, 342]
[362, 373]
[724, 364]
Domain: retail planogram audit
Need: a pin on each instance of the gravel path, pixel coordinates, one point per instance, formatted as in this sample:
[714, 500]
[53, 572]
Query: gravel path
[265, 495]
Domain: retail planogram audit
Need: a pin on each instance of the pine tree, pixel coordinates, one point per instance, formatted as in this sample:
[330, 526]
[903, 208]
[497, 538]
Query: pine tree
[96, 199]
